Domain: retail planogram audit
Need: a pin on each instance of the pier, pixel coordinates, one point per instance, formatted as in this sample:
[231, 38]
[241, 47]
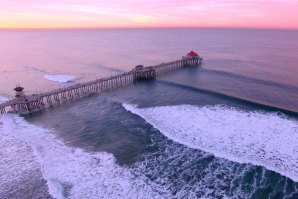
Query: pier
[36, 102]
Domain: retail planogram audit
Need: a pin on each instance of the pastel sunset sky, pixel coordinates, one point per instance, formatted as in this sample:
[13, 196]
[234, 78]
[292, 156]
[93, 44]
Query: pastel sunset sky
[150, 13]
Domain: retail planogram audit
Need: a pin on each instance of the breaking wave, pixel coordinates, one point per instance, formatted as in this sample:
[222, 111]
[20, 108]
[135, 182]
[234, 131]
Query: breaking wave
[69, 172]
[264, 139]
[60, 78]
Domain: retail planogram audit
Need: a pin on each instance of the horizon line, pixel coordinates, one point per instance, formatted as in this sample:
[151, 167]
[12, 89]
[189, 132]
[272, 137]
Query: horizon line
[123, 28]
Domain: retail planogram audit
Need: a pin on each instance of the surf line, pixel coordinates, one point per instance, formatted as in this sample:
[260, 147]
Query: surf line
[261, 105]
[23, 104]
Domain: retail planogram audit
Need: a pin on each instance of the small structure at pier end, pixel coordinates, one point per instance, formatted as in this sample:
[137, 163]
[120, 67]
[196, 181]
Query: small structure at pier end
[26, 104]
[192, 58]
[19, 92]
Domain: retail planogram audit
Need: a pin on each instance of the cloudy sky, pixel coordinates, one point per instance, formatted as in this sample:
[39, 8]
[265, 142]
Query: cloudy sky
[150, 13]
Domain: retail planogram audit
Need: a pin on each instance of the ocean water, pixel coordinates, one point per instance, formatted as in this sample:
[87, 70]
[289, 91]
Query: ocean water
[228, 129]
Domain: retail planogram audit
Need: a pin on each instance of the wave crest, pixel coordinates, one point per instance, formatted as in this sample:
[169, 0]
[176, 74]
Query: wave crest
[269, 140]
[60, 78]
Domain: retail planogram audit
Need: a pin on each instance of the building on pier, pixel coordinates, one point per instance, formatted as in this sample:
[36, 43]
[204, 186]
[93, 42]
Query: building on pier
[139, 67]
[191, 55]
[143, 73]
[192, 59]
[20, 94]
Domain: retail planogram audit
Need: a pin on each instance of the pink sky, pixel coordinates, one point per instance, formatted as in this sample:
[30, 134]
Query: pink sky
[150, 13]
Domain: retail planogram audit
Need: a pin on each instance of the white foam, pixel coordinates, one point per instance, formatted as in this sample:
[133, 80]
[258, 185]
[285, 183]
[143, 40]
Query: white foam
[17, 165]
[190, 173]
[3, 99]
[262, 139]
[88, 175]
[60, 78]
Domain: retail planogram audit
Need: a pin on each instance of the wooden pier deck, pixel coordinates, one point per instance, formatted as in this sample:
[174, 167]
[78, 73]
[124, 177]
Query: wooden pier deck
[36, 102]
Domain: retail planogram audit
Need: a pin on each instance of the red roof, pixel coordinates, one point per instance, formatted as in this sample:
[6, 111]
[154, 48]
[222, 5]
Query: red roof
[192, 54]
[18, 88]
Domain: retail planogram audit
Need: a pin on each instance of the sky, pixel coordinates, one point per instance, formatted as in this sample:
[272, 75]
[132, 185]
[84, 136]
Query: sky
[277, 14]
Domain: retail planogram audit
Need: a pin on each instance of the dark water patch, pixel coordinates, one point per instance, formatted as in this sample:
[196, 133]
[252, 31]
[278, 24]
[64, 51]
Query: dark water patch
[257, 105]
[248, 80]
[244, 89]
[154, 93]
[96, 124]
[231, 62]
[191, 173]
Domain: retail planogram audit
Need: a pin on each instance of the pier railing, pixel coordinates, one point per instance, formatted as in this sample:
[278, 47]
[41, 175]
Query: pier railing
[36, 102]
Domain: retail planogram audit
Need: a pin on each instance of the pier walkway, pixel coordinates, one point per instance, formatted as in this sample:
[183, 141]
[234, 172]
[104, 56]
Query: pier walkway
[36, 102]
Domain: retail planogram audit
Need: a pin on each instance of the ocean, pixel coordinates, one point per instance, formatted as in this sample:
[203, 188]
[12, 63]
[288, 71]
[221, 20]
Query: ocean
[228, 129]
